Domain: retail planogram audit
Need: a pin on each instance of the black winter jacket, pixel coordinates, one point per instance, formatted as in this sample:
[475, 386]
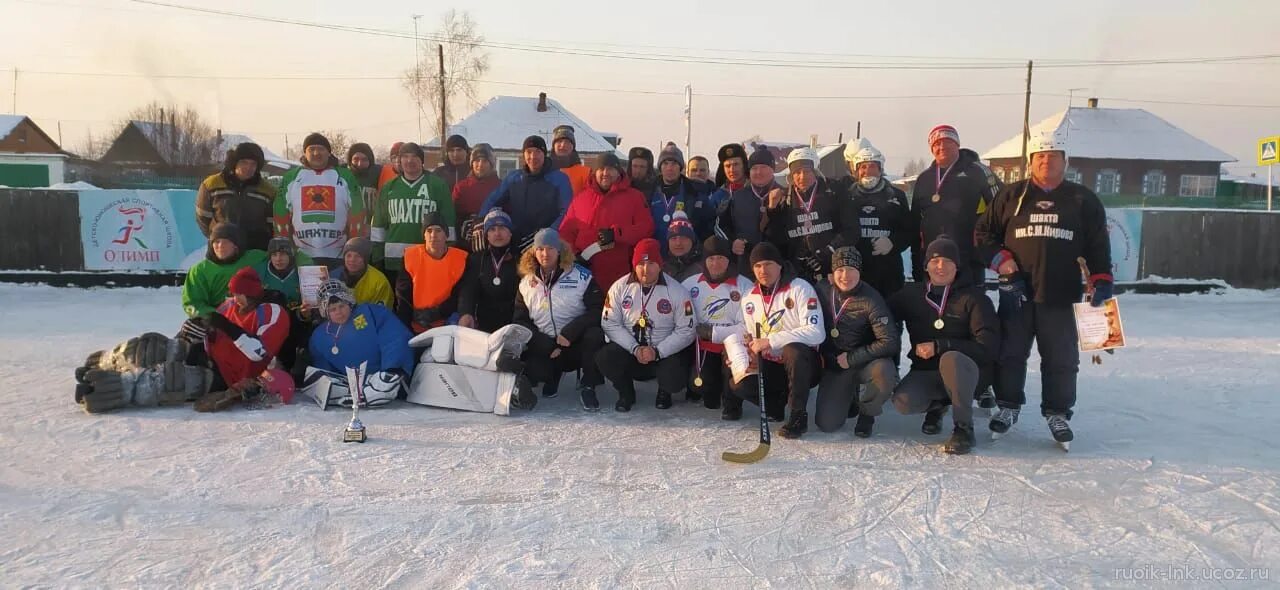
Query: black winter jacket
[969, 327]
[492, 305]
[866, 330]
[966, 193]
[786, 227]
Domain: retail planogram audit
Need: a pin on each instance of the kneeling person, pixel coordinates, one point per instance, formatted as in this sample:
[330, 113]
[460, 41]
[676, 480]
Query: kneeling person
[560, 304]
[241, 338]
[861, 349]
[717, 305]
[954, 337]
[352, 334]
[649, 321]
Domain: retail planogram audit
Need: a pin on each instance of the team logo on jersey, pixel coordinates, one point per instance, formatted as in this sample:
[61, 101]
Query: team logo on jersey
[626, 302]
[734, 296]
[813, 303]
[664, 306]
[693, 293]
[813, 319]
[360, 323]
[775, 317]
[869, 209]
[319, 204]
[1044, 205]
[790, 304]
[750, 308]
[714, 309]
[895, 201]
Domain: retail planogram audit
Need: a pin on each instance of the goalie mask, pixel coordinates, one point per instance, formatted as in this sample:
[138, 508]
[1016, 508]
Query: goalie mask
[333, 291]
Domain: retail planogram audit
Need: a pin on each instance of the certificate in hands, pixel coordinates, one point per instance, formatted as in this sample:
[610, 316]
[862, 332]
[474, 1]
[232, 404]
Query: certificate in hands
[1099, 328]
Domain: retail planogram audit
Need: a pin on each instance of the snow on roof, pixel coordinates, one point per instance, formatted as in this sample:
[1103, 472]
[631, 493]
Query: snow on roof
[827, 150]
[505, 121]
[231, 140]
[8, 123]
[1121, 134]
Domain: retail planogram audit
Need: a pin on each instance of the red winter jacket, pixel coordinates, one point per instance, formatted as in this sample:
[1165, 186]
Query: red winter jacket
[470, 192]
[622, 209]
[247, 355]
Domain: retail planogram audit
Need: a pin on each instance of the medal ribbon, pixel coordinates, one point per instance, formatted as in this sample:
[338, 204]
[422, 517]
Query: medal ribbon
[941, 177]
[835, 319]
[496, 261]
[939, 307]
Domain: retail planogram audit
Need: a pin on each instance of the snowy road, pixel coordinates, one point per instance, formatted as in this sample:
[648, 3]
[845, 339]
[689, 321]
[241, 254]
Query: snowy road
[1174, 464]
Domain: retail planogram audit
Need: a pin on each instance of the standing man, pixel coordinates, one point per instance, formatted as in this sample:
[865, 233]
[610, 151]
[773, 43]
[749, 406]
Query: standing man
[700, 171]
[677, 194]
[564, 154]
[784, 328]
[861, 349]
[487, 297]
[1034, 233]
[731, 174]
[457, 161]
[320, 205]
[948, 198]
[879, 210]
[239, 194]
[470, 192]
[643, 178]
[365, 168]
[683, 260]
[717, 307]
[561, 305]
[954, 339]
[648, 319]
[605, 221]
[741, 212]
[536, 195]
[397, 224]
[806, 224]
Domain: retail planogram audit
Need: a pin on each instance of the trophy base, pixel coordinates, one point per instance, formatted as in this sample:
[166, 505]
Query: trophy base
[354, 435]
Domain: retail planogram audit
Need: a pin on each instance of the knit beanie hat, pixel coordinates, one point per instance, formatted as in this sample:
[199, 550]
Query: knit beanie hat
[246, 282]
[482, 151]
[280, 244]
[671, 153]
[316, 139]
[610, 160]
[943, 132]
[412, 149]
[564, 132]
[846, 256]
[496, 218]
[433, 218]
[649, 250]
[535, 141]
[547, 237]
[227, 231]
[680, 226]
[716, 246]
[456, 141]
[942, 247]
[359, 245]
[761, 157]
[765, 251]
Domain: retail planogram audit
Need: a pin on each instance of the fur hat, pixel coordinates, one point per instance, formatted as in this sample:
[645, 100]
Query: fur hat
[640, 152]
[245, 151]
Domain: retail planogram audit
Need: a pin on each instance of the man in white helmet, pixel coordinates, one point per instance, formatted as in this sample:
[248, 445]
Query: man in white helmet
[1032, 236]
[879, 211]
[805, 222]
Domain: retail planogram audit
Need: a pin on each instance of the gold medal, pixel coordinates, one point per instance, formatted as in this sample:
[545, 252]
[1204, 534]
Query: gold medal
[938, 324]
[835, 333]
[937, 197]
[642, 322]
[697, 381]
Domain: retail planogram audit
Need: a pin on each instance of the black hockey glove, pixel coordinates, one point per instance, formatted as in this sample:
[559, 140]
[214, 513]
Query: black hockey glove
[605, 237]
[193, 330]
[1013, 292]
[1102, 291]
[220, 323]
[426, 317]
[812, 264]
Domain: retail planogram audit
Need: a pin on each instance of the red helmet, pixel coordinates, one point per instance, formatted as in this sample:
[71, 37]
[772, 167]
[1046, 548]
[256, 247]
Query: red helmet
[279, 383]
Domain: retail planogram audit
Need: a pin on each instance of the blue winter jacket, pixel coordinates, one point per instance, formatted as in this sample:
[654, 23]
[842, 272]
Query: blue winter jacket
[372, 334]
[693, 199]
[534, 200]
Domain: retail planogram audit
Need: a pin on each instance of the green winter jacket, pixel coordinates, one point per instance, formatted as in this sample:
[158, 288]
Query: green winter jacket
[206, 285]
[287, 286]
[397, 224]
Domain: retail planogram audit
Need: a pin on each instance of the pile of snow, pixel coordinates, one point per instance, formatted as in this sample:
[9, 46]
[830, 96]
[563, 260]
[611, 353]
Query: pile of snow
[78, 185]
[1174, 465]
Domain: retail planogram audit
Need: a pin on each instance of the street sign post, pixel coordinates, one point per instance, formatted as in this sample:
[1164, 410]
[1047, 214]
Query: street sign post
[1269, 156]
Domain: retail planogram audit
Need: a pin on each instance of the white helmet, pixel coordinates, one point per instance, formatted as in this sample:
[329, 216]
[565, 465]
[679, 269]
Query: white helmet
[852, 148]
[1046, 142]
[869, 153]
[803, 153]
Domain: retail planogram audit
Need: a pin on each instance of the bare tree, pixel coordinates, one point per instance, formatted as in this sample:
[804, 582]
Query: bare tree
[914, 166]
[93, 146]
[178, 132]
[339, 142]
[465, 62]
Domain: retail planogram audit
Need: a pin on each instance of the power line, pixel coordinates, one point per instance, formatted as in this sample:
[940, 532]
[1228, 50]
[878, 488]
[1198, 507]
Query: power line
[753, 62]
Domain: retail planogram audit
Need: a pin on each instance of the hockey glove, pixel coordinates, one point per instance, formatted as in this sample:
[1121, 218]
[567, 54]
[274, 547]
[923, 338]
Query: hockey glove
[193, 330]
[881, 246]
[812, 264]
[1102, 291]
[220, 323]
[426, 317]
[1013, 292]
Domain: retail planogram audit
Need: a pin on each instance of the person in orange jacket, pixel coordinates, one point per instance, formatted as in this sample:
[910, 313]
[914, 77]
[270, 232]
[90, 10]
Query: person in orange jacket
[564, 154]
[433, 275]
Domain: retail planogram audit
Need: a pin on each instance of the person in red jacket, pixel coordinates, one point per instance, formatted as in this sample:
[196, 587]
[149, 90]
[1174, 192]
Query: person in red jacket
[470, 192]
[606, 220]
[242, 338]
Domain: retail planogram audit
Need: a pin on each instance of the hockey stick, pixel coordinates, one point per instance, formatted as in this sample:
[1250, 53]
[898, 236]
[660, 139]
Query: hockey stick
[762, 449]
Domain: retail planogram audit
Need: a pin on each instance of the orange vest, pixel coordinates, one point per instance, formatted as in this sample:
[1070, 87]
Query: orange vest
[384, 177]
[433, 280]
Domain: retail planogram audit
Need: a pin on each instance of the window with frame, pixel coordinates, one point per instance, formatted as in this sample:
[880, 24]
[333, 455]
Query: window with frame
[1073, 175]
[999, 172]
[1108, 182]
[1193, 185]
[1153, 183]
[506, 165]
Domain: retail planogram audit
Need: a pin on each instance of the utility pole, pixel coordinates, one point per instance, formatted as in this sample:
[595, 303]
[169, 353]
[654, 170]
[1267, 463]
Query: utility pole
[859, 131]
[444, 104]
[1026, 121]
[417, 72]
[688, 120]
[15, 90]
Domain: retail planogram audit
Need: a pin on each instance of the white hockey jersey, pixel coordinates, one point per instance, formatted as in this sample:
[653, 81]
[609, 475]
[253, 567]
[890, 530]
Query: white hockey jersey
[791, 315]
[719, 305]
[667, 311]
[551, 309]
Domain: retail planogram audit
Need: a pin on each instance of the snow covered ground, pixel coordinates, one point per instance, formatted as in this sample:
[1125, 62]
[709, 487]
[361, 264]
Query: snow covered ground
[1174, 470]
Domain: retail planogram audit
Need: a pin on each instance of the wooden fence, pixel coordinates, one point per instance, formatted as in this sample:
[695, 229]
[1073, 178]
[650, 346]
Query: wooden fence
[40, 230]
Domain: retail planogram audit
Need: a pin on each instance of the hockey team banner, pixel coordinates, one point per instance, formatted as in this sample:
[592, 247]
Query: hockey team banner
[1125, 228]
[140, 230]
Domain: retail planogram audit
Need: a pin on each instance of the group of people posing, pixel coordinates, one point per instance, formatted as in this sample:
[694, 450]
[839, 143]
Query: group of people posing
[630, 271]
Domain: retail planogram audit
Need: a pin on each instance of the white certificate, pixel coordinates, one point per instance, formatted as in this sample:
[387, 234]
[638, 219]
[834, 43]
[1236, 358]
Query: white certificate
[1099, 328]
[309, 280]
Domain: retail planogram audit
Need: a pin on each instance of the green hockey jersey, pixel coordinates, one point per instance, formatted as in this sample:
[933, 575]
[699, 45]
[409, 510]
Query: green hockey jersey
[397, 224]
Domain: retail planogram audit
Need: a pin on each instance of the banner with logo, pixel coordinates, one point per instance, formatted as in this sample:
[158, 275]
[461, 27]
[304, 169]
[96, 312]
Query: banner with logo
[140, 230]
[1125, 228]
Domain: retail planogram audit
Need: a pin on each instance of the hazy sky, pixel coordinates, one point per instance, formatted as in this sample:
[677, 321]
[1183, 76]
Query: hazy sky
[123, 37]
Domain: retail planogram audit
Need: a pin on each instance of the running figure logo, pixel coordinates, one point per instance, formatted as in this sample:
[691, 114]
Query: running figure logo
[133, 219]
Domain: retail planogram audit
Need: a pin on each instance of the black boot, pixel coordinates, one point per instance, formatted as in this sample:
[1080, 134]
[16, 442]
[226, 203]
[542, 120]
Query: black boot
[933, 419]
[863, 428]
[590, 402]
[796, 426]
[525, 398]
[662, 401]
[731, 408]
[962, 440]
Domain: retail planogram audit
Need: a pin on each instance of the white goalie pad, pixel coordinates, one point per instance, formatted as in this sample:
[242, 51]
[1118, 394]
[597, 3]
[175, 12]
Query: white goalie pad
[462, 388]
[330, 389]
[472, 348]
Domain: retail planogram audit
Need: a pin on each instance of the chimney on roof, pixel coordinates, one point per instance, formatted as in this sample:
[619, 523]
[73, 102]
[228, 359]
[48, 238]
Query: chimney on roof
[542, 102]
[1093, 103]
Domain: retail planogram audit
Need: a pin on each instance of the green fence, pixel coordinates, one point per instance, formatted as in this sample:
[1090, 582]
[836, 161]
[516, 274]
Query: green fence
[1219, 202]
